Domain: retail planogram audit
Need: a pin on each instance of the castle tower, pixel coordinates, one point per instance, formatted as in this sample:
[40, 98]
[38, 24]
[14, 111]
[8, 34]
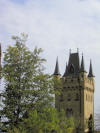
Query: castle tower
[77, 93]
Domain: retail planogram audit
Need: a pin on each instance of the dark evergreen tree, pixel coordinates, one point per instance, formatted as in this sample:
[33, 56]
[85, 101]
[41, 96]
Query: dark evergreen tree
[91, 124]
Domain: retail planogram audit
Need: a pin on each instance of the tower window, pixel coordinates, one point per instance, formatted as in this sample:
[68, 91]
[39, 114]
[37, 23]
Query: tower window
[71, 80]
[71, 68]
[69, 112]
[61, 98]
[68, 97]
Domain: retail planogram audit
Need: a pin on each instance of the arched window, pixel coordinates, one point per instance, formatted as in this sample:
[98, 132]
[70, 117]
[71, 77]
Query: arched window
[69, 97]
[71, 68]
[69, 112]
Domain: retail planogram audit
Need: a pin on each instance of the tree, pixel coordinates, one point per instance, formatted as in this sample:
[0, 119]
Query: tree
[91, 124]
[28, 97]
[46, 121]
[26, 85]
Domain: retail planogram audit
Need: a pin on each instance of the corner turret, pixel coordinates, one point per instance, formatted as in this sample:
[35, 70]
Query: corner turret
[82, 69]
[90, 70]
[66, 71]
[56, 71]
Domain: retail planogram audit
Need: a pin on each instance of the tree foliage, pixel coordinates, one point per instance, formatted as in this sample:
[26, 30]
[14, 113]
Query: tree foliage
[46, 121]
[91, 124]
[28, 96]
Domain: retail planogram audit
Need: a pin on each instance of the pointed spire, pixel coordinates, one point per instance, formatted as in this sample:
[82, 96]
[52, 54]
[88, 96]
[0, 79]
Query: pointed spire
[90, 70]
[57, 72]
[66, 71]
[82, 65]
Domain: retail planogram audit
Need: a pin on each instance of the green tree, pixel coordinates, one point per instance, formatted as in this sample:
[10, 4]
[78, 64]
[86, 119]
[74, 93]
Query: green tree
[26, 85]
[48, 120]
[29, 93]
[91, 124]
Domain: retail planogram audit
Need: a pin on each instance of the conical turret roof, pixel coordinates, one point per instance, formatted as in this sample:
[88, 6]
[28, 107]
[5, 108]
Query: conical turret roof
[90, 70]
[57, 72]
[66, 71]
[82, 69]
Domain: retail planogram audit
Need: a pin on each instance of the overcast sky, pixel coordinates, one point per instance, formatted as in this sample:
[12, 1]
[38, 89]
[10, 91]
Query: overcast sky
[56, 26]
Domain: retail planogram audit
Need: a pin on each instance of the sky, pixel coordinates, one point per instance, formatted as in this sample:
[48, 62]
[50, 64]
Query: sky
[56, 26]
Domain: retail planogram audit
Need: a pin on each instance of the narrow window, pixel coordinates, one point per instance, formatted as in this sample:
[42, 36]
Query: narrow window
[61, 98]
[68, 97]
[71, 69]
[69, 112]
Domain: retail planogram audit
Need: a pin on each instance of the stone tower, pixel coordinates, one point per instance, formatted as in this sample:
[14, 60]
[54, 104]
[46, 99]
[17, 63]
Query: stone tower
[77, 95]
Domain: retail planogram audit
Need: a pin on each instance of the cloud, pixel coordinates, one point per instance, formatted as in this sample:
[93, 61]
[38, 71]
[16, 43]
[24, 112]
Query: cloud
[56, 26]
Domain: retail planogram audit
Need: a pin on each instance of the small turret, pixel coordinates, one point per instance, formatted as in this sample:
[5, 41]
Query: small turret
[57, 72]
[66, 71]
[82, 69]
[90, 70]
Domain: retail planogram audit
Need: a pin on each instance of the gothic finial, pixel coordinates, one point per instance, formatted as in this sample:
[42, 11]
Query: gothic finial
[90, 70]
[57, 72]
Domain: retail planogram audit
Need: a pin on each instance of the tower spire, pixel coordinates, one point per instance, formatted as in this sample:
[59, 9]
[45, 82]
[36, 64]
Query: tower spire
[90, 70]
[82, 65]
[66, 70]
[57, 72]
